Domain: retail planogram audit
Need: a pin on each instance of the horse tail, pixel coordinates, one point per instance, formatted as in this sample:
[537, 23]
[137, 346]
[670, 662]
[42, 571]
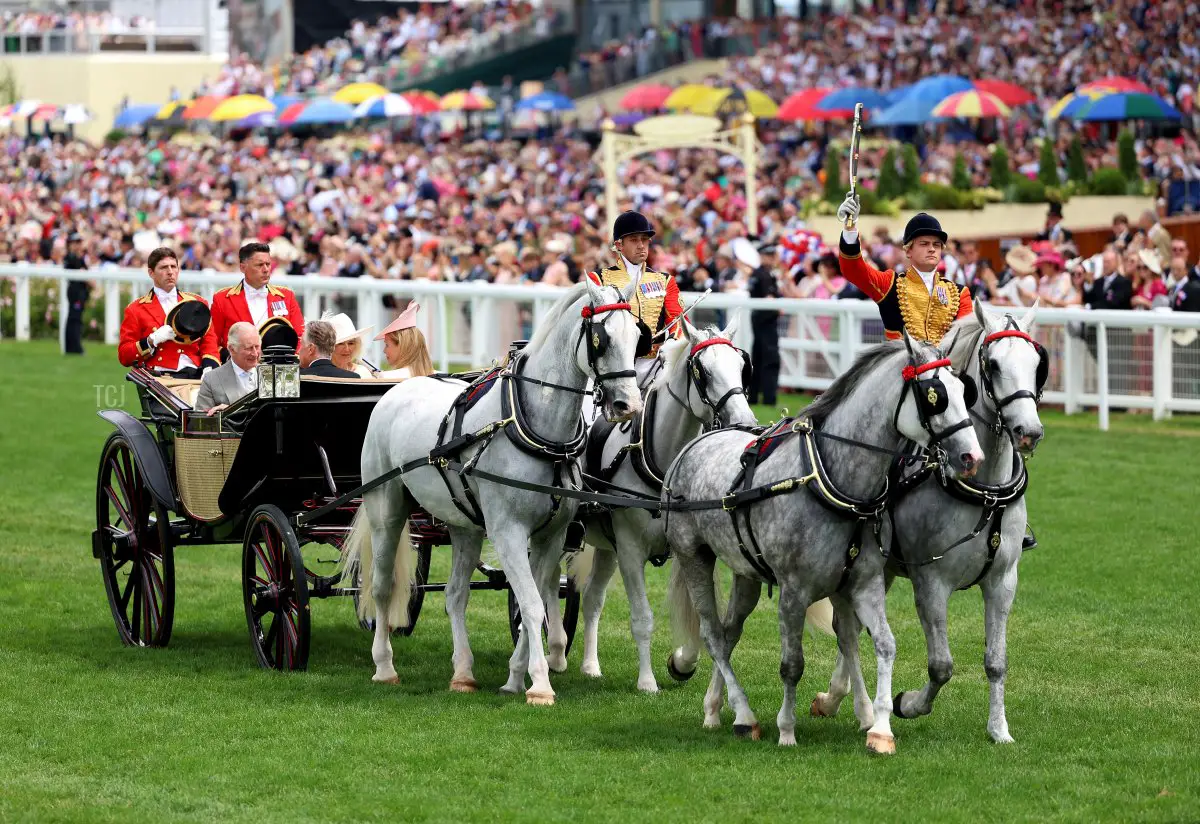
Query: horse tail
[579, 566]
[685, 621]
[820, 616]
[358, 557]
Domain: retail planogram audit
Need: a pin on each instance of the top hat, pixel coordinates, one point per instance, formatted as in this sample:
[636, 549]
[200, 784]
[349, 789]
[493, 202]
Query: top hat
[190, 319]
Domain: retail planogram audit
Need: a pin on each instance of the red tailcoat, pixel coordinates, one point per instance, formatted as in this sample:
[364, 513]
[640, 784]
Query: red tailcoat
[145, 315]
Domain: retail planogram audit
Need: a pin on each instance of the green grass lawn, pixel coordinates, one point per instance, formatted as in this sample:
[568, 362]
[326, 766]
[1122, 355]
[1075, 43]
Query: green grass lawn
[1103, 689]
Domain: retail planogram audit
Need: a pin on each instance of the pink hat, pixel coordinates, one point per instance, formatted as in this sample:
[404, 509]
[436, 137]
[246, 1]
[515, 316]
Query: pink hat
[1053, 258]
[406, 320]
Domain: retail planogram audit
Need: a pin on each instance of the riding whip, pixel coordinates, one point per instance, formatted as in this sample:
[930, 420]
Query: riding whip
[681, 315]
[854, 138]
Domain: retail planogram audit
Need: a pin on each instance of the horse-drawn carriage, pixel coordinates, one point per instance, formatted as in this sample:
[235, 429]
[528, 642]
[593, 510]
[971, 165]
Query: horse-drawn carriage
[278, 472]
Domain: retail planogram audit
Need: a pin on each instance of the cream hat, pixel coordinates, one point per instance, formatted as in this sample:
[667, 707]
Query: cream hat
[343, 327]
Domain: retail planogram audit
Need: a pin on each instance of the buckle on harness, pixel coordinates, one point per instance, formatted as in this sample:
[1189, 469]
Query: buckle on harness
[802, 425]
[728, 503]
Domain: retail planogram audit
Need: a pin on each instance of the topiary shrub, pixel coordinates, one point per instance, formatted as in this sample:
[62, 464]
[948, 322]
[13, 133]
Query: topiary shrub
[1024, 190]
[1076, 167]
[835, 190]
[960, 178]
[910, 179]
[938, 196]
[1127, 161]
[1108, 182]
[1048, 165]
[889, 176]
[1001, 171]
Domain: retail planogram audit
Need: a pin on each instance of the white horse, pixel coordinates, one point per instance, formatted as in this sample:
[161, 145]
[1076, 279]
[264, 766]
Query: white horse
[525, 425]
[701, 380]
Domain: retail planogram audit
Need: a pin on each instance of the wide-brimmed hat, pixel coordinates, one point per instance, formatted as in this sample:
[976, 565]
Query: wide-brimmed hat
[1021, 259]
[1053, 258]
[744, 252]
[1151, 260]
[405, 320]
[343, 327]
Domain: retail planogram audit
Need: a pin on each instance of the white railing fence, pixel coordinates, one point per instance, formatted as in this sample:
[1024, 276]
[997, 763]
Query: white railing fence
[1098, 360]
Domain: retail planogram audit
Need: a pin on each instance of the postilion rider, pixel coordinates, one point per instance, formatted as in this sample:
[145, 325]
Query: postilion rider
[166, 330]
[254, 300]
[915, 298]
[656, 303]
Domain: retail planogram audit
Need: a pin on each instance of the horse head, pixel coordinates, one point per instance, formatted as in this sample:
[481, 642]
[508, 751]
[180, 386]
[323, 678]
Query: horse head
[1013, 368]
[932, 409]
[718, 375]
[610, 336]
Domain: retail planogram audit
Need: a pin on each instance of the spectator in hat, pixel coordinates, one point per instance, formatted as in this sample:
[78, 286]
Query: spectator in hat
[404, 346]
[1147, 280]
[316, 352]
[348, 345]
[1055, 287]
[1055, 232]
[1019, 284]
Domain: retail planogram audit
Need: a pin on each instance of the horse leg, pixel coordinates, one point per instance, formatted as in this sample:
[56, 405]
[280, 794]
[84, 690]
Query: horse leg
[631, 558]
[870, 604]
[467, 544]
[697, 572]
[792, 607]
[743, 598]
[387, 528]
[997, 603]
[931, 598]
[548, 572]
[512, 544]
[847, 672]
[604, 563]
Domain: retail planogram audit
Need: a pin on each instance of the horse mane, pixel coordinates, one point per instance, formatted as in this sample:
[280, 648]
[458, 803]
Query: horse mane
[672, 353]
[845, 385]
[550, 322]
[964, 338]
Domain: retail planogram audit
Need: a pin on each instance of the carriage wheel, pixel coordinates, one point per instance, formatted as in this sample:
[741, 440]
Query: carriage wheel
[275, 591]
[416, 599]
[134, 546]
[570, 611]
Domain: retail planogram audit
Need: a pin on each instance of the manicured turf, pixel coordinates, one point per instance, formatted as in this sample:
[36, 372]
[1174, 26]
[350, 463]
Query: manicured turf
[1103, 691]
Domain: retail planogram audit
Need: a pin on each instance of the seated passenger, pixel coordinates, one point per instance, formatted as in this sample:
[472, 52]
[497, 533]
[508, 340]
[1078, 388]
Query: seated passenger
[316, 352]
[404, 347]
[237, 376]
[347, 350]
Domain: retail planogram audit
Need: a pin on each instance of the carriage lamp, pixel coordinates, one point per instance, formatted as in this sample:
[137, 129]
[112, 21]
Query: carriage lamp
[279, 373]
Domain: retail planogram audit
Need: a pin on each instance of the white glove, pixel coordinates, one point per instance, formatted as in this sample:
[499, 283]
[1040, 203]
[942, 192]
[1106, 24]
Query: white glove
[849, 209]
[161, 335]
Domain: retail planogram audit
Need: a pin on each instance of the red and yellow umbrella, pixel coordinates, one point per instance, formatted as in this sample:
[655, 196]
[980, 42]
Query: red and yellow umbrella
[649, 96]
[423, 102]
[1114, 83]
[202, 107]
[466, 102]
[972, 104]
[803, 106]
[1010, 93]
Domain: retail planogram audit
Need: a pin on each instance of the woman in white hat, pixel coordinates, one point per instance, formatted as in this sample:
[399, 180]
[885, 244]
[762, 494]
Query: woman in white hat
[347, 354]
[404, 346]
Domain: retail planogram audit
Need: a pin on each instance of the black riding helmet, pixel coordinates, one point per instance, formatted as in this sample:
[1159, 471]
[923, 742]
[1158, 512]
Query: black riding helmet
[923, 224]
[631, 223]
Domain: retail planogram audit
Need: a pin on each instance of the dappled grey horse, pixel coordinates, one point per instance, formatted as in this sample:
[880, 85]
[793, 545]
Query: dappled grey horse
[954, 534]
[701, 380]
[534, 402]
[810, 545]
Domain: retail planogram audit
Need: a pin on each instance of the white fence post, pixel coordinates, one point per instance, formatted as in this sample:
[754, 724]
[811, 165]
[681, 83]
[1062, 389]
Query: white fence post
[1102, 373]
[112, 312]
[21, 307]
[1162, 372]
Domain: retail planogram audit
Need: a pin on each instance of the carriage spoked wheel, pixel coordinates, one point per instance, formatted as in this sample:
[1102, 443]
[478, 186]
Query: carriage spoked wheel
[416, 599]
[133, 543]
[275, 591]
[570, 611]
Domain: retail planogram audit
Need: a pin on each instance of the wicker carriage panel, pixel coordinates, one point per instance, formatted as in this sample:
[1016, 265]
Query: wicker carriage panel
[201, 467]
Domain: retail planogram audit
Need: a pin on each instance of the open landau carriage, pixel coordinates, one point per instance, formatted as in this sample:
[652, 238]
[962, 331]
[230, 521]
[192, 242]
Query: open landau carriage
[263, 473]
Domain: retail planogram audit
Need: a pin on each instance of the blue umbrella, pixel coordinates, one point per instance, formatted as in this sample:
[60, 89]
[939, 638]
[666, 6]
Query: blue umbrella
[896, 95]
[910, 111]
[937, 88]
[135, 115]
[547, 102]
[282, 101]
[1128, 106]
[846, 98]
[324, 110]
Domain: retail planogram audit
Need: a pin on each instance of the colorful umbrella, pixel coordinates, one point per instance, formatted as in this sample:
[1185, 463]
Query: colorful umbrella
[46, 111]
[389, 105]
[1009, 93]
[844, 99]
[1073, 102]
[803, 106]
[628, 119]
[972, 104]
[423, 102]
[171, 114]
[282, 101]
[935, 89]
[240, 107]
[687, 96]
[316, 111]
[75, 113]
[649, 96]
[547, 102]
[202, 107]
[1128, 106]
[465, 102]
[135, 115]
[911, 111]
[356, 93]
[1116, 84]
[728, 102]
[23, 108]
[257, 120]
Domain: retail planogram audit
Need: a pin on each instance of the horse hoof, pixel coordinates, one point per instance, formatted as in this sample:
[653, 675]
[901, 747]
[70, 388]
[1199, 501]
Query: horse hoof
[506, 690]
[387, 679]
[1002, 737]
[787, 739]
[539, 699]
[896, 704]
[676, 675]
[651, 687]
[557, 664]
[464, 685]
[881, 744]
[754, 731]
[818, 708]
[711, 722]
[591, 670]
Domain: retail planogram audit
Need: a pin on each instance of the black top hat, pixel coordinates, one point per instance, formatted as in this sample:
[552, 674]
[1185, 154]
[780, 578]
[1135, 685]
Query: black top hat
[1055, 210]
[278, 331]
[921, 225]
[190, 319]
[631, 223]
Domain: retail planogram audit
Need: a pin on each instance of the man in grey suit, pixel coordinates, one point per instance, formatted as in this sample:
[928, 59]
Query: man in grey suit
[236, 377]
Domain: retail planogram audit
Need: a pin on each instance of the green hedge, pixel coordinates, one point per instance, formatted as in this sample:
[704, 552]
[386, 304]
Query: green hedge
[43, 309]
[1108, 182]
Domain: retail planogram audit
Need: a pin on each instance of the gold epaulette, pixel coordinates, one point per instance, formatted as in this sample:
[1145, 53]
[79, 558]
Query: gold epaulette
[147, 298]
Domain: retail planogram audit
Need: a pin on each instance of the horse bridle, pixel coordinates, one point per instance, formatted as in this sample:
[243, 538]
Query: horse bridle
[595, 338]
[1011, 330]
[931, 398]
[697, 377]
